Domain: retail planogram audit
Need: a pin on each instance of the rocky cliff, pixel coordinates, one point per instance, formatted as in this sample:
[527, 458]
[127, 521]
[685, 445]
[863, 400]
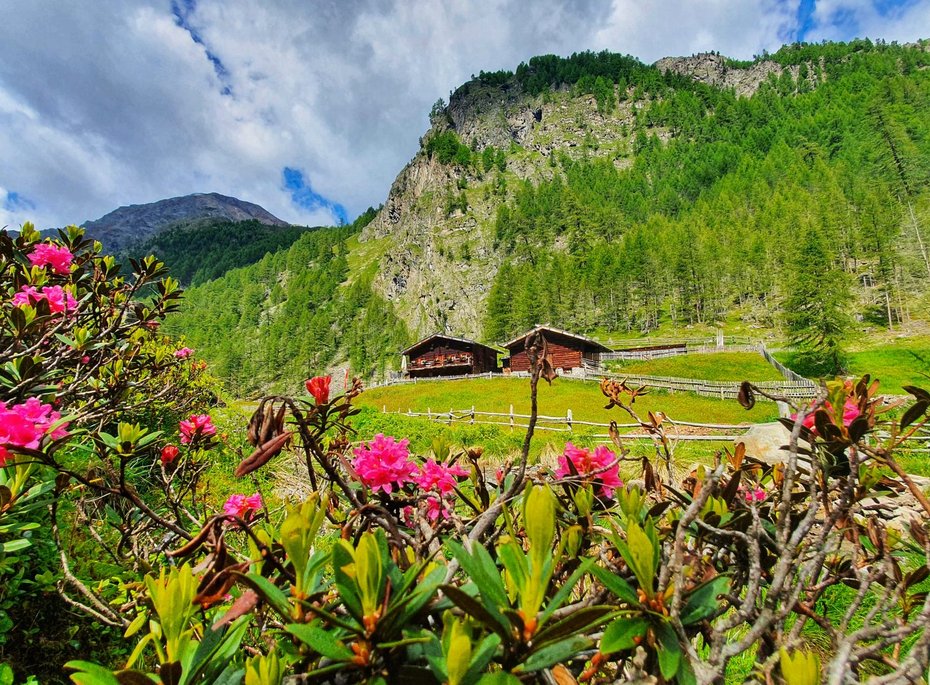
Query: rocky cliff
[134, 224]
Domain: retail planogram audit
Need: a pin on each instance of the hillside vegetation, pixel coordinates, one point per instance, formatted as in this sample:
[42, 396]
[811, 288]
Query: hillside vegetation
[271, 324]
[604, 195]
[202, 251]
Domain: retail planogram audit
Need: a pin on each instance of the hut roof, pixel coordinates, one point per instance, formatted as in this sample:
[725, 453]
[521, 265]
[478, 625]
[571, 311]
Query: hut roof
[558, 331]
[439, 336]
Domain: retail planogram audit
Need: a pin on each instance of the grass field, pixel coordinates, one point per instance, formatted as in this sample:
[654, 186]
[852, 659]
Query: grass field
[894, 363]
[583, 398]
[717, 366]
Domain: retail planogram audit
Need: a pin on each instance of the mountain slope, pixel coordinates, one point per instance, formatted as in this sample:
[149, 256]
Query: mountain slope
[600, 193]
[607, 196]
[206, 249]
[127, 226]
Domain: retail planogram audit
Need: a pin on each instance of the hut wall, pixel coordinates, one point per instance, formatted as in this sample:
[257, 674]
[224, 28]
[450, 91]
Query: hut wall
[564, 356]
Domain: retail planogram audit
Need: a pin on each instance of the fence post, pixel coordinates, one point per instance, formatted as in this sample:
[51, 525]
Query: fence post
[568, 419]
[511, 417]
[450, 416]
[429, 413]
[384, 409]
[473, 414]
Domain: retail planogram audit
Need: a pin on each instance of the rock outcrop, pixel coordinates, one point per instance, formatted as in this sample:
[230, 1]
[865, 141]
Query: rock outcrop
[715, 70]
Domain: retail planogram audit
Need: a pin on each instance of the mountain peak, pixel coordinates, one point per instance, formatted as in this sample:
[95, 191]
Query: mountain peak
[134, 224]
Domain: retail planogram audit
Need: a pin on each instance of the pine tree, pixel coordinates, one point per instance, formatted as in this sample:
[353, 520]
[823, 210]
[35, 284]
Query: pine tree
[816, 308]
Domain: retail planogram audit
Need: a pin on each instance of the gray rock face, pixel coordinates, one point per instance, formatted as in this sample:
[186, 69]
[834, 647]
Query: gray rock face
[126, 226]
[712, 69]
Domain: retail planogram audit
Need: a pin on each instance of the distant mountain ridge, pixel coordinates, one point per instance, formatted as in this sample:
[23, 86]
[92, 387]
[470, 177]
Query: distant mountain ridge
[134, 224]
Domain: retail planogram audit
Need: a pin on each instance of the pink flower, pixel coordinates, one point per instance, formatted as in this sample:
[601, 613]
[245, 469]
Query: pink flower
[183, 353]
[850, 413]
[43, 416]
[59, 300]
[757, 494]
[169, 453]
[384, 463]
[58, 257]
[436, 476]
[24, 425]
[198, 425]
[318, 387]
[28, 295]
[602, 466]
[436, 509]
[240, 505]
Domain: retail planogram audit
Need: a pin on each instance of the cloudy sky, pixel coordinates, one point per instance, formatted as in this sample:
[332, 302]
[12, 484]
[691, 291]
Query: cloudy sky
[311, 107]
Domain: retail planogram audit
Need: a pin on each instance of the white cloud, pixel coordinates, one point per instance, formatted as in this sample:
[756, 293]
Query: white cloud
[109, 102]
[892, 20]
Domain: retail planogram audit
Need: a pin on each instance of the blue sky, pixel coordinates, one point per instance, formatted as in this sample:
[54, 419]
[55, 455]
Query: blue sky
[311, 107]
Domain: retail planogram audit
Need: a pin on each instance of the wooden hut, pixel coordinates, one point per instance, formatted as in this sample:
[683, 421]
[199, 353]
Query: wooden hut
[568, 350]
[443, 355]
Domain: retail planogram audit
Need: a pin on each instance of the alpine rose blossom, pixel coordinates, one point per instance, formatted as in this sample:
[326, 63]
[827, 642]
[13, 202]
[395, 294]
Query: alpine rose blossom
[183, 353]
[850, 414]
[169, 453]
[436, 509]
[318, 387]
[441, 477]
[59, 300]
[601, 466]
[58, 257]
[241, 506]
[198, 425]
[757, 494]
[24, 425]
[384, 464]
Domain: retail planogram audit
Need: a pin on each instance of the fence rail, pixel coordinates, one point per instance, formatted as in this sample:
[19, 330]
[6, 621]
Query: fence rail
[782, 369]
[568, 424]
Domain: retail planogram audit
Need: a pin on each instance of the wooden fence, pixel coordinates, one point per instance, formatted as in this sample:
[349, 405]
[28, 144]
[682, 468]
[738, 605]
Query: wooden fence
[705, 432]
[569, 424]
[724, 390]
[782, 369]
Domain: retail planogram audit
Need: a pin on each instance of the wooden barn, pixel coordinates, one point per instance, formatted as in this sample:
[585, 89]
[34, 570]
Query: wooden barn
[568, 350]
[443, 355]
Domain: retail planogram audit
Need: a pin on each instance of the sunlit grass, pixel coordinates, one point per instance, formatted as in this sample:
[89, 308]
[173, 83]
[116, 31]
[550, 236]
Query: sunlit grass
[717, 366]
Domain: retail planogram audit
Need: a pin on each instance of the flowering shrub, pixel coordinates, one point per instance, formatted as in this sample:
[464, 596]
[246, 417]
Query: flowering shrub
[419, 568]
[85, 384]
[410, 568]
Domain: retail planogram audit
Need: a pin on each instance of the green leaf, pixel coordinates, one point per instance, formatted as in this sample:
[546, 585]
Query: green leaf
[492, 620]
[481, 569]
[554, 654]
[498, 679]
[91, 674]
[565, 592]
[15, 545]
[481, 657]
[580, 621]
[667, 649]
[621, 634]
[321, 641]
[6, 674]
[639, 554]
[269, 592]
[617, 585]
[702, 601]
